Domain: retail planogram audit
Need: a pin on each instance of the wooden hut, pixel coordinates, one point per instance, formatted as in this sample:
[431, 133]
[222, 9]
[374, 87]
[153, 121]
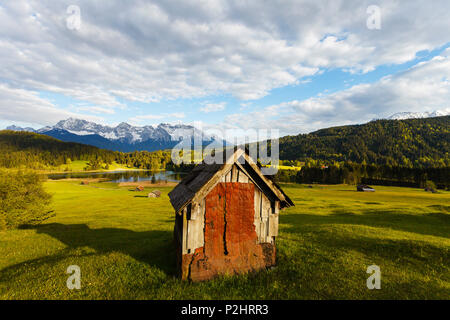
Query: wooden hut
[364, 188]
[154, 194]
[157, 193]
[226, 218]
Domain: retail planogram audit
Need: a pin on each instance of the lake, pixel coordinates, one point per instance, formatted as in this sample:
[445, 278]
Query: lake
[122, 176]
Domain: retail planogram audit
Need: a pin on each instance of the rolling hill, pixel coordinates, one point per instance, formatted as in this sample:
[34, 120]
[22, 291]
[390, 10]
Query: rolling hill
[394, 142]
[33, 150]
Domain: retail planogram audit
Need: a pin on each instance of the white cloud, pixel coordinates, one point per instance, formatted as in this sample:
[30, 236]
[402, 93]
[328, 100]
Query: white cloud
[140, 118]
[424, 87]
[19, 105]
[213, 107]
[150, 51]
[146, 51]
[95, 109]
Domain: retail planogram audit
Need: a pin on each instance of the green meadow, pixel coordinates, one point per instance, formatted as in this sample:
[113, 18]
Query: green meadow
[122, 241]
[77, 166]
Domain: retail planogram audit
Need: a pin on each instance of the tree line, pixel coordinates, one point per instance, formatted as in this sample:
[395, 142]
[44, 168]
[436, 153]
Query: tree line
[354, 173]
[35, 151]
[406, 152]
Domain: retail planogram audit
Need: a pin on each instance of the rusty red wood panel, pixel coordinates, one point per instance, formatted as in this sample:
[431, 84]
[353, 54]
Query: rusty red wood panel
[230, 237]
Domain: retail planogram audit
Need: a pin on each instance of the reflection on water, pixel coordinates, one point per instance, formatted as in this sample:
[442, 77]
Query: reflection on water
[122, 176]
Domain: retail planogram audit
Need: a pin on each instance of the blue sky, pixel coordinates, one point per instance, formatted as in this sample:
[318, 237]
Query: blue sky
[295, 66]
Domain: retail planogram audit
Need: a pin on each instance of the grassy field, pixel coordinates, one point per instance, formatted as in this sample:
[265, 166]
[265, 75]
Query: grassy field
[285, 167]
[79, 165]
[122, 242]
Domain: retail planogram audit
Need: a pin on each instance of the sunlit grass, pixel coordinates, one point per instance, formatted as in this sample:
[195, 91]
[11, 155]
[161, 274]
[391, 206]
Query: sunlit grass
[80, 165]
[285, 167]
[122, 242]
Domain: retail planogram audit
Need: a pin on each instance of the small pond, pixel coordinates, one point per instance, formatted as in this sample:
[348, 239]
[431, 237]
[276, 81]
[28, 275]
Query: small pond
[122, 176]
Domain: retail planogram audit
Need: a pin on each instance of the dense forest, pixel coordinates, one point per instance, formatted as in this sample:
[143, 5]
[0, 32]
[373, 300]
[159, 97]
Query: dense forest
[354, 173]
[35, 151]
[390, 152]
[408, 143]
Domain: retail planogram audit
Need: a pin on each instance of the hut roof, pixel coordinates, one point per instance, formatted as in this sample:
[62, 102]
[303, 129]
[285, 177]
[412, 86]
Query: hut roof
[205, 176]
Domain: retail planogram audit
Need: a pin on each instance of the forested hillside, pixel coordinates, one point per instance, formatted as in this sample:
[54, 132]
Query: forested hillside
[36, 151]
[406, 143]
[413, 143]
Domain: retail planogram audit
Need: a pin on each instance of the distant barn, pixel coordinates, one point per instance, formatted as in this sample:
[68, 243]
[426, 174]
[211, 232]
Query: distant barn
[139, 188]
[429, 189]
[226, 219]
[154, 194]
[364, 188]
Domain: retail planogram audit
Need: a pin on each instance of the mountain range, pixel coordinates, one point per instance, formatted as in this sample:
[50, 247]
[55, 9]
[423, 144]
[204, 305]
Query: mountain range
[418, 143]
[127, 138]
[123, 137]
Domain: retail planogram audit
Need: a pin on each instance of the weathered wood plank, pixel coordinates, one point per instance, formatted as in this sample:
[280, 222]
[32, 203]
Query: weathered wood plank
[257, 204]
[277, 207]
[266, 210]
[267, 181]
[273, 222]
[196, 227]
[228, 177]
[234, 174]
[257, 217]
[184, 232]
[192, 228]
[242, 178]
[257, 224]
[273, 225]
[201, 219]
[248, 176]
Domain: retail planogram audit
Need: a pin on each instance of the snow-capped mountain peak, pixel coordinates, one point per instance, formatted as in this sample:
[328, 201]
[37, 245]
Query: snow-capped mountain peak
[78, 127]
[123, 125]
[16, 128]
[418, 115]
[163, 133]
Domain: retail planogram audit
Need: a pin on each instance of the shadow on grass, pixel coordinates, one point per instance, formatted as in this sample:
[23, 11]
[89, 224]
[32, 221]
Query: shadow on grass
[433, 224]
[154, 248]
[346, 255]
[418, 255]
[440, 207]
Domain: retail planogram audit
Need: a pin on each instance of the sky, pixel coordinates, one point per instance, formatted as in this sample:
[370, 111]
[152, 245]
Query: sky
[295, 66]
